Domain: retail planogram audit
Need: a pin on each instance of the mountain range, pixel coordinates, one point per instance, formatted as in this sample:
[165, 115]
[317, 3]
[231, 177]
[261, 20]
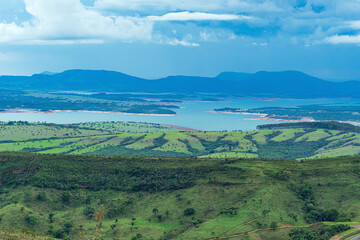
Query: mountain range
[265, 84]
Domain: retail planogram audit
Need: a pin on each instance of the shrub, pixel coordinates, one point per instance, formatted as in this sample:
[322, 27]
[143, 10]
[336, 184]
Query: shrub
[189, 211]
[32, 220]
[41, 196]
[65, 197]
[273, 225]
[89, 212]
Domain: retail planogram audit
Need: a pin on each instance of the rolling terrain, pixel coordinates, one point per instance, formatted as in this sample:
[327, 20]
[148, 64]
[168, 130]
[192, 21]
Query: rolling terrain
[142, 139]
[179, 198]
[45, 102]
[347, 112]
[268, 84]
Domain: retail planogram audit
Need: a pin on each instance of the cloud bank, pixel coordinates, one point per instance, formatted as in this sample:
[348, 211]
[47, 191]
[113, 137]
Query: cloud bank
[186, 22]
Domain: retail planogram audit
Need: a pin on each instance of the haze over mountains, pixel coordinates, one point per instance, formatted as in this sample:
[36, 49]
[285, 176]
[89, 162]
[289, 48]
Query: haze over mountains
[270, 84]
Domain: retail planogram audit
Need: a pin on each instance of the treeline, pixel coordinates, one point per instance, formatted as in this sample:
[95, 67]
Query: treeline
[129, 174]
[321, 233]
[330, 125]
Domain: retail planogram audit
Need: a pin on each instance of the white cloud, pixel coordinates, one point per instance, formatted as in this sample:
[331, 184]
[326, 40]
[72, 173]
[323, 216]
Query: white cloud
[197, 16]
[343, 39]
[68, 21]
[354, 24]
[190, 5]
[176, 42]
[186, 41]
[207, 36]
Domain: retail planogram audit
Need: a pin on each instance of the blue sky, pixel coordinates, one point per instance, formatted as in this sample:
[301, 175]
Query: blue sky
[155, 38]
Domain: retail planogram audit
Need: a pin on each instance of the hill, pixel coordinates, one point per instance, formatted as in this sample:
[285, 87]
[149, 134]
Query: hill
[142, 139]
[270, 84]
[178, 198]
[346, 112]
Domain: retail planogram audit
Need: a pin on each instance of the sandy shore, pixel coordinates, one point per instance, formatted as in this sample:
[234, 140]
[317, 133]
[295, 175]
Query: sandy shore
[305, 119]
[84, 111]
[263, 117]
[241, 113]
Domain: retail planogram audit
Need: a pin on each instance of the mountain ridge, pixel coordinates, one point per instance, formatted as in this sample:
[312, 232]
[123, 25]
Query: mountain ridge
[262, 83]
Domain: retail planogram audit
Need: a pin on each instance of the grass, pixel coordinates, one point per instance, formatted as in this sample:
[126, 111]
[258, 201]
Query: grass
[16, 235]
[315, 135]
[25, 132]
[249, 186]
[119, 138]
[129, 127]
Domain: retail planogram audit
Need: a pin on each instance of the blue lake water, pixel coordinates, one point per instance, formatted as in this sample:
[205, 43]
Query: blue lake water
[191, 115]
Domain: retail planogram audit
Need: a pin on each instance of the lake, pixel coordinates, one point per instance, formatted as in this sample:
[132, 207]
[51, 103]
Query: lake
[191, 115]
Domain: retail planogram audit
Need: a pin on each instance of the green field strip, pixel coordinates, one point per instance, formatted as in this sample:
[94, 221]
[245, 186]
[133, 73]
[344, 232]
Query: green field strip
[235, 136]
[147, 141]
[173, 145]
[26, 132]
[340, 136]
[209, 136]
[187, 137]
[313, 136]
[68, 148]
[338, 143]
[113, 141]
[230, 155]
[260, 137]
[349, 150]
[88, 142]
[243, 143]
[194, 142]
[35, 144]
[128, 127]
[287, 134]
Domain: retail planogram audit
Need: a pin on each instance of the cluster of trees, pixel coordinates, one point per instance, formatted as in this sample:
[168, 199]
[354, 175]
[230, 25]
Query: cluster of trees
[329, 125]
[321, 233]
[313, 213]
[96, 173]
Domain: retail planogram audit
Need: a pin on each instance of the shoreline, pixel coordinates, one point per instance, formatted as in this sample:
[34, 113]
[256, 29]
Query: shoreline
[83, 111]
[264, 117]
[305, 119]
[240, 113]
[181, 128]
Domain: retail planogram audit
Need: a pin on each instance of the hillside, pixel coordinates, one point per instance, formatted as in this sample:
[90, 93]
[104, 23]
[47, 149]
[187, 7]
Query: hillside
[346, 112]
[269, 84]
[152, 198]
[142, 139]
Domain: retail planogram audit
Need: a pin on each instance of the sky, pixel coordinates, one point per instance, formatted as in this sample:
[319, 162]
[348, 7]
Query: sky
[157, 38]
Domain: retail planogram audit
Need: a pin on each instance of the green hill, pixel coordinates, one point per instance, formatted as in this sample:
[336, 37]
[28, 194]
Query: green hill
[178, 198]
[142, 139]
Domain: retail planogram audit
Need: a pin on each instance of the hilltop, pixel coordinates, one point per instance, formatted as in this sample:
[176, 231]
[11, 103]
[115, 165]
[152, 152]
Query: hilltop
[290, 141]
[269, 84]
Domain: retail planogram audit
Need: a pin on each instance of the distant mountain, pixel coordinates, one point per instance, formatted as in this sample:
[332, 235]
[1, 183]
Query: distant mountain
[47, 73]
[271, 84]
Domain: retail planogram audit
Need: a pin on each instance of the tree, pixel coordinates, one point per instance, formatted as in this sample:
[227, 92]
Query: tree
[273, 225]
[89, 212]
[189, 211]
[155, 211]
[65, 197]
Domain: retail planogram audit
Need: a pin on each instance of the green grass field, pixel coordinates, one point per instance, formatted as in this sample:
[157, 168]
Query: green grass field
[148, 198]
[141, 139]
[129, 127]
